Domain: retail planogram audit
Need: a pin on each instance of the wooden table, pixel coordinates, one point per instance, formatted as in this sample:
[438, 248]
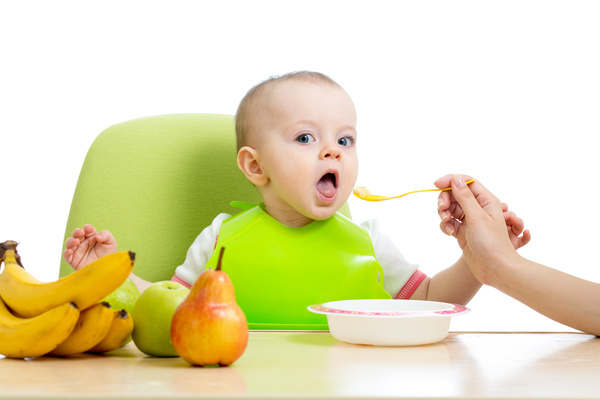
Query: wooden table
[313, 365]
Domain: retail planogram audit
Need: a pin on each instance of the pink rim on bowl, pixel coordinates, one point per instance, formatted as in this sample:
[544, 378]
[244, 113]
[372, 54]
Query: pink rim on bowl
[456, 308]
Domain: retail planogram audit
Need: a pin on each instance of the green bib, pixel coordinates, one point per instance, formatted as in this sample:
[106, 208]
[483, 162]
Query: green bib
[278, 271]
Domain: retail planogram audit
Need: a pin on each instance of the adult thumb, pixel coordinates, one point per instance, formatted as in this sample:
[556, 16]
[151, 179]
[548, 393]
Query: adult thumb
[464, 196]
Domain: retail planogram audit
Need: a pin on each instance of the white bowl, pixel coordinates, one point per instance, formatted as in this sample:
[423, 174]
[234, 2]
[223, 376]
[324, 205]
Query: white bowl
[389, 322]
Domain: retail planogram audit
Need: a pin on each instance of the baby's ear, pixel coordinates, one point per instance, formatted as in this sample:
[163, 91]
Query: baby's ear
[248, 161]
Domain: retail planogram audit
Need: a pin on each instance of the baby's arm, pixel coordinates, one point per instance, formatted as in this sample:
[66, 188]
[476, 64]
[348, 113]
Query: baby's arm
[87, 245]
[455, 284]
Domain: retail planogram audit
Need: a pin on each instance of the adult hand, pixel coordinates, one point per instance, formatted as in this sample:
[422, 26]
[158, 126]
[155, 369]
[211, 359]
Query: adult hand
[486, 231]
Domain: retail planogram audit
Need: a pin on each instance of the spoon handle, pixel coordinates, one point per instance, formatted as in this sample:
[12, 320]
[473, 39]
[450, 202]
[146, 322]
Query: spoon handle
[376, 197]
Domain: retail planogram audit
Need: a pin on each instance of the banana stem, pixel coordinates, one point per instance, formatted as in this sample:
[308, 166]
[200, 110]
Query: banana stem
[10, 245]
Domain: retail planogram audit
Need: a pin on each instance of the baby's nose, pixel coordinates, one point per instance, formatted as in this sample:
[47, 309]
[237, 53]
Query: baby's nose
[331, 152]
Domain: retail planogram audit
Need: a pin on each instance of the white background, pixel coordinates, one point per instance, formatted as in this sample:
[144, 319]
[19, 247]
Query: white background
[506, 91]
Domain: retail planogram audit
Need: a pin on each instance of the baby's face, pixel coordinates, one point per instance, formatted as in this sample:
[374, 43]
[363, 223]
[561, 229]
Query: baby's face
[306, 141]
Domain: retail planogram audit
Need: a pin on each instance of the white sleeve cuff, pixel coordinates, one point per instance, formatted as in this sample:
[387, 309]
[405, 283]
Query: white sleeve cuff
[396, 270]
[200, 252]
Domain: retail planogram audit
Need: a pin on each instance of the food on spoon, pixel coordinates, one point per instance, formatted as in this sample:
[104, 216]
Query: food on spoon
[361, 191]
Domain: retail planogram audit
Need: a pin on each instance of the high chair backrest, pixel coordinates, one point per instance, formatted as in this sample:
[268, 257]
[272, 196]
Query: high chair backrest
[155, 183]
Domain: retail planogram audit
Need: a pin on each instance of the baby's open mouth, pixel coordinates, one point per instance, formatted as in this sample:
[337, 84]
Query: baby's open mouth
[327, 185]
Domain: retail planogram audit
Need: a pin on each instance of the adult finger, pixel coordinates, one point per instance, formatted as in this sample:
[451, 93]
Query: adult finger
[453, 211]
[450, 227]
[464, 196]
[444, 200]
[477, 197]
[446, 181]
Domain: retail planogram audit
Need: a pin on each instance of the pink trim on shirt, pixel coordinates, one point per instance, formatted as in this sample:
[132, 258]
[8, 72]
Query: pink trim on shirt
[412, 285]
[176, 279]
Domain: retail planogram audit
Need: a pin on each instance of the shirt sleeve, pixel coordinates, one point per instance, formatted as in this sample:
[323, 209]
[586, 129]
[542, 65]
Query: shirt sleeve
[199, 253]
[400, 278]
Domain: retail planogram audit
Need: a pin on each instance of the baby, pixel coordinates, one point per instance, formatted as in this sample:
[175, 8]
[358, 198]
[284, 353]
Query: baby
[296, 138]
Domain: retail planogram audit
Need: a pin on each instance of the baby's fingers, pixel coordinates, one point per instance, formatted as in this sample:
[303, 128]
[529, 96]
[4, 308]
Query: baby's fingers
[72, 243]
[89, 230]
[523, 240]
[515, 223]
[105, 237]
[78, 233]
[516, 230]
[68, 255]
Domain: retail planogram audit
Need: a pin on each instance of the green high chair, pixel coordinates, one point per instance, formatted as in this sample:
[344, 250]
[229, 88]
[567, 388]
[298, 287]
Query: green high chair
[155, 183]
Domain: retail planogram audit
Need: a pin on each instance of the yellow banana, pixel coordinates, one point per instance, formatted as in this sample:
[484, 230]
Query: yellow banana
[34, 337]
[28, 297]
[118, 335]
[93, 325]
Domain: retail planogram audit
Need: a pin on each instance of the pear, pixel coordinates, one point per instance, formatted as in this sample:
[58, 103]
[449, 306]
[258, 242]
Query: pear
[208, 327]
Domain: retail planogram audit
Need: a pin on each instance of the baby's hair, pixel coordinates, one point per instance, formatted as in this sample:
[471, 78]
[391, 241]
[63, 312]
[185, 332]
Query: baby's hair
[244, 112]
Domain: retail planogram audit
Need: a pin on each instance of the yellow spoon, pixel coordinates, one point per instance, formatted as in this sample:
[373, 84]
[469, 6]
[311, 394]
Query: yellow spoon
[363, 193]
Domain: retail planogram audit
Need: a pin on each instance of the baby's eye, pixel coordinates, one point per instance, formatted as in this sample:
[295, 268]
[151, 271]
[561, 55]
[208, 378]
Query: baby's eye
[346, 141]
[305, 138]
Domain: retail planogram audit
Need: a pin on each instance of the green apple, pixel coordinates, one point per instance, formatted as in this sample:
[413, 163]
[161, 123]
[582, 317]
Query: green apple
[152, 315]
[124, 297]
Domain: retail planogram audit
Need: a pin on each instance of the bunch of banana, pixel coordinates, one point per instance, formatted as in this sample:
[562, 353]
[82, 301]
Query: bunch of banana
[34, 337]
[92, 328]
[29, 297]
[63, 317]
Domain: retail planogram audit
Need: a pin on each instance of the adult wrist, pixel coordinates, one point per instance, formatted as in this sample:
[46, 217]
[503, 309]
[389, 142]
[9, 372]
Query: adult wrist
[505, 270]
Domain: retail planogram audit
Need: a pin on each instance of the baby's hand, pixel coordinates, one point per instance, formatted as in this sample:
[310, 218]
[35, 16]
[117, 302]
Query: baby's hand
[87, 245]
[515, 228]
